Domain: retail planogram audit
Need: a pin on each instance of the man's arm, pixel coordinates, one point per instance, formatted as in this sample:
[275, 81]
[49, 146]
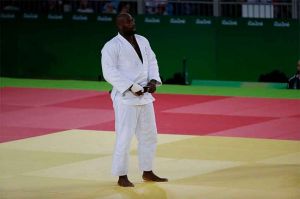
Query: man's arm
[153, 70]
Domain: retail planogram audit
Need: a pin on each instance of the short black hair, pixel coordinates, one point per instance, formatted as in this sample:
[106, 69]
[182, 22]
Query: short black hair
[122, 15]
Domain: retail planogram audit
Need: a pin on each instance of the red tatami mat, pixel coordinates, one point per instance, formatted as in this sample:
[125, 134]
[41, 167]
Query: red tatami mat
[40, 97]
[102, 101]
[198, 124]
[242, 106]
[27, 112]
[278, 128]
[56, 117]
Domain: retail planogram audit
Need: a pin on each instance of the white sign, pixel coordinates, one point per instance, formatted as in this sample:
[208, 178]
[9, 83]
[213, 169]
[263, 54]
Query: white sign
[55, 17]
[7, 16]
[104, 18]
[255, 23]
[203, 21]
[30, 16]
[80, 18]
[152, 20]
[281, 24]
[177, 21]
[229, 22]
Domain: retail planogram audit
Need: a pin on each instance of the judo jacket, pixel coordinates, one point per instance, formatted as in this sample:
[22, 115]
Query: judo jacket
[122, 67]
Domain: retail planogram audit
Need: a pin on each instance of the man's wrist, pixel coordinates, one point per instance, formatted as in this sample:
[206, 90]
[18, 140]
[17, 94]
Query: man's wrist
[153, 81]
[136, 88]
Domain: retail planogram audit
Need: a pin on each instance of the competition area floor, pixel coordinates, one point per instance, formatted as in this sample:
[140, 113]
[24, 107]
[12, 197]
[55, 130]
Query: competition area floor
[58, 143]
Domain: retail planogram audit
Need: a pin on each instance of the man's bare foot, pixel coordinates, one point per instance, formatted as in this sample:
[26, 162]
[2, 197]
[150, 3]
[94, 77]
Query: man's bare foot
[150, 176]
[124, 182]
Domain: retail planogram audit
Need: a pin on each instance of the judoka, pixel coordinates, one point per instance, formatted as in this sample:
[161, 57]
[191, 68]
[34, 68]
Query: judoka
[130, 66]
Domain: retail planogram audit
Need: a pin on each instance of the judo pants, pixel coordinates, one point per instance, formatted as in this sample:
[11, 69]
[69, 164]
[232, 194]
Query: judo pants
[130, 120]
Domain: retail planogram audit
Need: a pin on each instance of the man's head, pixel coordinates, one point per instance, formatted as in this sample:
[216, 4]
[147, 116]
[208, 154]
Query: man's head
[298, 66]
[125, 24]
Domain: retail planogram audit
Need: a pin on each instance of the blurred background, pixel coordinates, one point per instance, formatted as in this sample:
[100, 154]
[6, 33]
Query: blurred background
[194, 40]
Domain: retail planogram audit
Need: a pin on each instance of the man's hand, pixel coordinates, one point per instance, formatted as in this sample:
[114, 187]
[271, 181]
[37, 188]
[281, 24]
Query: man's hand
[152, 86]
[139, 93]
[137, 90]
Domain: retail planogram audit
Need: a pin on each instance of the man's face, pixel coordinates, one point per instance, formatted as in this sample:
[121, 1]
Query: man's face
[298, 66]
[127, 25]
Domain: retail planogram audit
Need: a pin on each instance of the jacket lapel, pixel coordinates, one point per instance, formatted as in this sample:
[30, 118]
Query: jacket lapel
[130, 48]
[142, 49]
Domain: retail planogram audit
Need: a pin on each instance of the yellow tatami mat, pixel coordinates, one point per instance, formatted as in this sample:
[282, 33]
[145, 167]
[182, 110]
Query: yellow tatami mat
[76, 164]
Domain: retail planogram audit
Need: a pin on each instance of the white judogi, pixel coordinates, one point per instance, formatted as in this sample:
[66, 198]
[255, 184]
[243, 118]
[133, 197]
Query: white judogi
[122, 68]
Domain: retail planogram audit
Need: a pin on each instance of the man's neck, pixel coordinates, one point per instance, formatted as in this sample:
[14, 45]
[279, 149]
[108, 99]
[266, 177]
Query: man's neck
[129, 38]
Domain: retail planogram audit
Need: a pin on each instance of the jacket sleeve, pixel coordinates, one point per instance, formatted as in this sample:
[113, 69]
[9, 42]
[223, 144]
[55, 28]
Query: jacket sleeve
[152, 64]
[110, 71]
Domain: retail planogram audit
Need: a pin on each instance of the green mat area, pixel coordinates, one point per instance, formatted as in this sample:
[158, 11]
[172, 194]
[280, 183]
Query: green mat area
[238, 84]
[263, 92]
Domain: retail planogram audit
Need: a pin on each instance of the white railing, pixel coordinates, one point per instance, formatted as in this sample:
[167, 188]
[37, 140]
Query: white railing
[283, 9]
